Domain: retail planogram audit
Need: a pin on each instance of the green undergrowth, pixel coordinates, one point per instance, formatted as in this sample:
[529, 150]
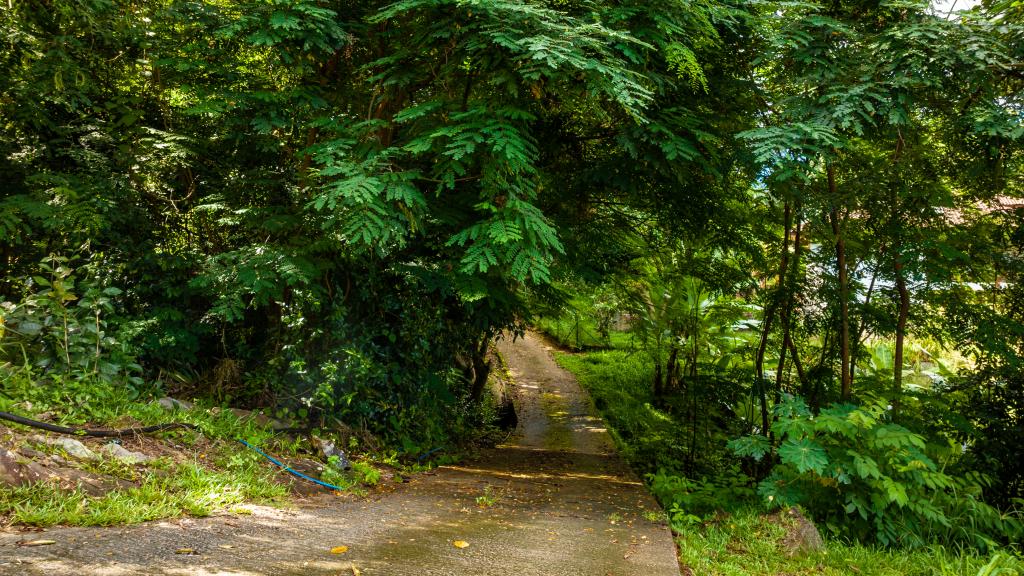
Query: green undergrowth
[86, 402]
[355, 480]
[618, 382]
[580, 333]
[748, 544]
[209, 472]
[744, 540]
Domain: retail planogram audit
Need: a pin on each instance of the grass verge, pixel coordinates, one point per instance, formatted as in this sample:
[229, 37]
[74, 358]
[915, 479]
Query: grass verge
[747, 544]
[185, 489]
[195, 473]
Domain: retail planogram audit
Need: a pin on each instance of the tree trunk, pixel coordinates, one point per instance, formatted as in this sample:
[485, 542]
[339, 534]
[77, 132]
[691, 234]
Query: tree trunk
[696, 353]
[901, 289]
[671, 368]
[799, 366]
[659, 383]
[481, 368]
[844, 291]
[901, 327]
[769, 315]
[857, 340]
[785, 313]
[766, 327]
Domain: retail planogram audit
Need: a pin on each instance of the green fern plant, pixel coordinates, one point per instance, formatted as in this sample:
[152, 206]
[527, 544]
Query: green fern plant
[869, 478]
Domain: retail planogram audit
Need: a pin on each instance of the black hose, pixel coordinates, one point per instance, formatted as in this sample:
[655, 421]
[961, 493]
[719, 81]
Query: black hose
[86, 432]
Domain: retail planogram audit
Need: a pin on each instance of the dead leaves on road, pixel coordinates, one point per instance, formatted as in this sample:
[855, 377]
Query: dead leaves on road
[35, 542]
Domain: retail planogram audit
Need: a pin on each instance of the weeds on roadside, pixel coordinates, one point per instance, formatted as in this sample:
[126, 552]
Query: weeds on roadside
[489, 498]
[188, 488]
[748, 544]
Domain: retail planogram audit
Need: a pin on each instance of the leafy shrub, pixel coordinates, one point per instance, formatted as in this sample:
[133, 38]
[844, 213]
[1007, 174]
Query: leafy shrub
[990, 402]
[361, 474]
[60, 325]
[688, 501]
[867, 477]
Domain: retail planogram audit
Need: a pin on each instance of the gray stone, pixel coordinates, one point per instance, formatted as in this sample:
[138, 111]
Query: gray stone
[74, 448]
[33, 454]
[802, 536]
[91, 484]
[123, 454]
[240, 413]
[168, 403]
[16, 471]
[328, 449]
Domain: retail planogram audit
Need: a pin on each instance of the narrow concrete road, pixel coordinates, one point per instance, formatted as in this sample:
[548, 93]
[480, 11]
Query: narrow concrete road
[561, 503]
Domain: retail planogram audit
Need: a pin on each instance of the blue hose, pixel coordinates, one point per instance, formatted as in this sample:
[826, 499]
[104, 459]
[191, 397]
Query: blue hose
[289, 469]
[424, 456]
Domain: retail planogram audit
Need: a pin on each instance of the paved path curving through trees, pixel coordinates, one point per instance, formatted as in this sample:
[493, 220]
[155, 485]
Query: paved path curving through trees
[563, 504]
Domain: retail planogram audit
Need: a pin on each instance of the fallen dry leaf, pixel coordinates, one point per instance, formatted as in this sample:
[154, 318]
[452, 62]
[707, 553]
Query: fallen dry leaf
[36, 542]
[356, 572]
[460, 544]
[226, 546]
[339, 549]
[184, 551]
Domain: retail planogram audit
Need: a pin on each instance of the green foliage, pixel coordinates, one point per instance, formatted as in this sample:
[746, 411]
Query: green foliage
[323, 206]
[619, 383]
[688, 501]
[361, 475]
[1002, 564]
[488, 498]
[61, 325]
[869, 478]
[591, 319]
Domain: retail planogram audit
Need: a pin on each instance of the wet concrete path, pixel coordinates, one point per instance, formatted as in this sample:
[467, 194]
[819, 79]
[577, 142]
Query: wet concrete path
[555, 501]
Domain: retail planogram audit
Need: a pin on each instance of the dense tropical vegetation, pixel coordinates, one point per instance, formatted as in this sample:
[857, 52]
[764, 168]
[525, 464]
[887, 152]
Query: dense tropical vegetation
[790, 233]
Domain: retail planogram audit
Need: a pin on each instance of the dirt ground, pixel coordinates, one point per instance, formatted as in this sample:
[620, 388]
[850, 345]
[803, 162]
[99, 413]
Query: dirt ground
[555, 500]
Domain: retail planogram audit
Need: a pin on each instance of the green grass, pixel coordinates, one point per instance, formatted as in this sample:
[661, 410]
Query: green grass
[747, 544]
[353, 480]
[171, 490]
[216, 474]
[580, 334]
[77, 402]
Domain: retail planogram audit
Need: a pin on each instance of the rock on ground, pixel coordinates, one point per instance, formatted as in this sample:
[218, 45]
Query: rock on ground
[73, 447]
[802, 536]
[123, 454]
[168, 403]
[16, 470]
